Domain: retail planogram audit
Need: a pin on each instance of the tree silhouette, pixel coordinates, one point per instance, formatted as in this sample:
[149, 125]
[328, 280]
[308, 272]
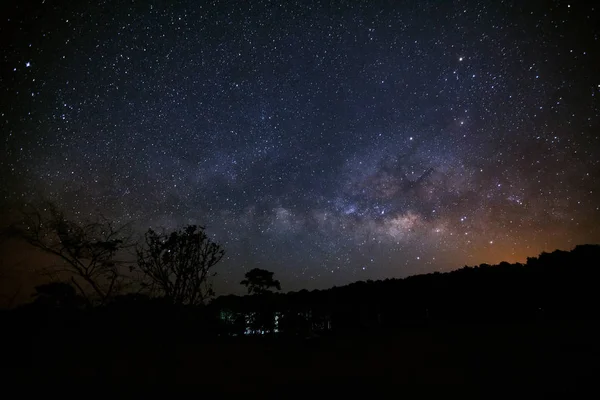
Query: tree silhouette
[178, 265]
[259, 281]
[87, 248]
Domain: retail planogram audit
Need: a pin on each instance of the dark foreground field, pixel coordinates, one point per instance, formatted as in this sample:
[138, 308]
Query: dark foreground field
[547, 355]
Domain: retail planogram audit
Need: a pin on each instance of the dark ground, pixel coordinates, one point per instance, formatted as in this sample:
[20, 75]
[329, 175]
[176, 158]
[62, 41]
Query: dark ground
[546, 356]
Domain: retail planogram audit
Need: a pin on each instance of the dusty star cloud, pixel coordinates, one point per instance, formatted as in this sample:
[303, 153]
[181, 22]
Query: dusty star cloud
[327, 143]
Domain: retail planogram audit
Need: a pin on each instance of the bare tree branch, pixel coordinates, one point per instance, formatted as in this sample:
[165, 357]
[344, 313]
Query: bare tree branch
[87, 249]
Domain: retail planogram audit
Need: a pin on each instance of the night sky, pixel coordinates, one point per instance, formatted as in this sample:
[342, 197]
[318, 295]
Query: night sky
[327, 142]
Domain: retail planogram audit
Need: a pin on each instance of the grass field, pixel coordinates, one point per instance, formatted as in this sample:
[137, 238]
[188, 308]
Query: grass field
[548, 355]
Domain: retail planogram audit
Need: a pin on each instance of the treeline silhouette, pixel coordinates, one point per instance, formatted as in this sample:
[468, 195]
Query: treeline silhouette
[557, 285]
[533, 322]
[561, 284]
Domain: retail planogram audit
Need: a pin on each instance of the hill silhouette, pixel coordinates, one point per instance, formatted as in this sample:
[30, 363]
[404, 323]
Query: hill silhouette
[560, 284]
[535, 322]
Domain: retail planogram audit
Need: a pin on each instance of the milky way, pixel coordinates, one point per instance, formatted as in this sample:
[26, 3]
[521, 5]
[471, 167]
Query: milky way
[327, 143]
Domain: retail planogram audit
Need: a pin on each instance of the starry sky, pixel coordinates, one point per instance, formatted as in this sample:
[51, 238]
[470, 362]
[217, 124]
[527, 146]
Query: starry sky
[328, 142]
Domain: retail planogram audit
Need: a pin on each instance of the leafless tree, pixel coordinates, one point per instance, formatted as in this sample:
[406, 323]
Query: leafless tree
[88, 250]
[178, 265]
